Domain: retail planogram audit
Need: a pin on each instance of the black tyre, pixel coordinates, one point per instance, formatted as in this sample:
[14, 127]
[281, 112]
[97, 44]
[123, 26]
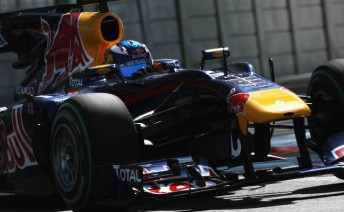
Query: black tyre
[90, 131]
[326, 88]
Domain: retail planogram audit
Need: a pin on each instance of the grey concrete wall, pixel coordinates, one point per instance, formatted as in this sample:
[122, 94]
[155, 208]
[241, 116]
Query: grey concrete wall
[297, 34]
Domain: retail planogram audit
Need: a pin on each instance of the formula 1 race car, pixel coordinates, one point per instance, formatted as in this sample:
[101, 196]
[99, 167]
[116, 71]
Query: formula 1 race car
[97, 119]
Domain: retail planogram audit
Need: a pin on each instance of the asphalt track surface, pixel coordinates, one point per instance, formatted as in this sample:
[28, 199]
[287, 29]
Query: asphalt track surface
[319, 193]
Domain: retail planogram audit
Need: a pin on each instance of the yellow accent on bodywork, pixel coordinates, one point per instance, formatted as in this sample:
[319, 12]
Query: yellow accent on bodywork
[90, 26]
[103, 71]
[243, 123]
[272, 105]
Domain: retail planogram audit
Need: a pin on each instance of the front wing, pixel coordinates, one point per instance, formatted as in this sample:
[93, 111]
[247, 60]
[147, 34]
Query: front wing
[185, 176]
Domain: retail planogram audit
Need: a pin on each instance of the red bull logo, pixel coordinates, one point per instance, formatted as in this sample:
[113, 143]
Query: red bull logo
[65, 51]
[16, 147]
[237, 103]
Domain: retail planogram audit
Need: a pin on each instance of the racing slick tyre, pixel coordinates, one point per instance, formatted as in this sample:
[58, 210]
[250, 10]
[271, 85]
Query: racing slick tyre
[90, 132]
[326, 89]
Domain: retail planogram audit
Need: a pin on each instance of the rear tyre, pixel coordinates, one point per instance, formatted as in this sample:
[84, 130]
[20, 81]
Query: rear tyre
[89, 131]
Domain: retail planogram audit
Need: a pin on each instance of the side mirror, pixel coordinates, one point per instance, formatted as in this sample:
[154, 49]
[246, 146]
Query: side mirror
[217, 53]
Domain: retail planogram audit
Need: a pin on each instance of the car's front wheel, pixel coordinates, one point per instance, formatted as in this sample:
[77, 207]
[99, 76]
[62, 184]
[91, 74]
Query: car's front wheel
[326, 89]
[89, 133]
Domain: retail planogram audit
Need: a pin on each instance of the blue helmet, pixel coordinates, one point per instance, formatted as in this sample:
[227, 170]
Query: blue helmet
[130, 56]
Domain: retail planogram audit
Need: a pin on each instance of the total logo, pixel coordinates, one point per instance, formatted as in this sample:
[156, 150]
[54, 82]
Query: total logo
[128, 174]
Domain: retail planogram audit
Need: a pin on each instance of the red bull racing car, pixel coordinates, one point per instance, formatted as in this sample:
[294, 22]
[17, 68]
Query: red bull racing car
[97, 119]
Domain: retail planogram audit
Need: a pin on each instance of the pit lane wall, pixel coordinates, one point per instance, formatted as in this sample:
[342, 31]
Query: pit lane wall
[297, 34]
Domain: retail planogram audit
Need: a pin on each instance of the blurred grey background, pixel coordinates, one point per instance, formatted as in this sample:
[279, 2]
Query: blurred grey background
[298, 35]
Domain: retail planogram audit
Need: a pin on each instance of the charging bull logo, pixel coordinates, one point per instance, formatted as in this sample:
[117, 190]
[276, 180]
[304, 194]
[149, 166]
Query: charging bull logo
[65, 51]
[237, 103]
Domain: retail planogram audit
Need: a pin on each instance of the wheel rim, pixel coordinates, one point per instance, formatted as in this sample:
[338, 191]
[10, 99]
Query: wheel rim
[65, 158]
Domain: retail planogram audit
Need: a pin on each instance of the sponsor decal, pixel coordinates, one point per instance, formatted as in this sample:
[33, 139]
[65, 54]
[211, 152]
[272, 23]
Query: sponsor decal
[131, 174]
[75, 82]
[162, 188]
[16, 147]
[21, 90]
[134, 62]
[65, 51]
[237, 103]
[235, 151]
[338, 151]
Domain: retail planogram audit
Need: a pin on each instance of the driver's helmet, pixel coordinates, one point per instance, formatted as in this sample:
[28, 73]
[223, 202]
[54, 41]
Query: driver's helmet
[130, 56]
